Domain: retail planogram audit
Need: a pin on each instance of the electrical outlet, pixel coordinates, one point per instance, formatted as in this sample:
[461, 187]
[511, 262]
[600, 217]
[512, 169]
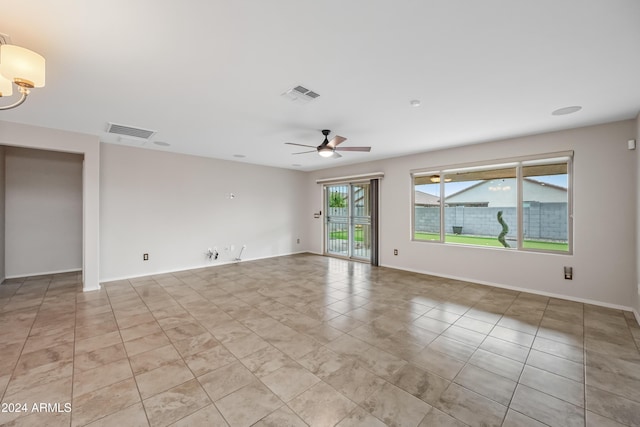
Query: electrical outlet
[395, 252]
[298, 241]
[145, 257]
[568, 273]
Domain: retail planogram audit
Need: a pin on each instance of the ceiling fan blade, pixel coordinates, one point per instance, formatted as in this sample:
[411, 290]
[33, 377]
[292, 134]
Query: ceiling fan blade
[367, 149]
[336, 140]
[305, 152]
[336, 155]
[301, 145]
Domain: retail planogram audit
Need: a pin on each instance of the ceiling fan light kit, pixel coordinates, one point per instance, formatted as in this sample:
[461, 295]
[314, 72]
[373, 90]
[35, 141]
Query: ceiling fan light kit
[330, 148]
[325, 151]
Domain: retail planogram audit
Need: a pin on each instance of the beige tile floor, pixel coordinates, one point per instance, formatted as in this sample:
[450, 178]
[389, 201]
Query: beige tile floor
[308, 340]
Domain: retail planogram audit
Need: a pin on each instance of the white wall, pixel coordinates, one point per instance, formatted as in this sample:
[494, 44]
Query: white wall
[2, 224]
[20, 135]
[43, 212]
[605, 194]
[174, 207]
[637, 298]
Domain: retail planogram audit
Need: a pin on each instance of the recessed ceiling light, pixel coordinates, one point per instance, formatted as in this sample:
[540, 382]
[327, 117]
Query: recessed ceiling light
[566, 110]
[415, 102]
[161, 143]
[239, 156]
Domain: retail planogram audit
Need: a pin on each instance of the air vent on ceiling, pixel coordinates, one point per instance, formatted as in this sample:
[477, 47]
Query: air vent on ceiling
[130, 131]
[300, 94]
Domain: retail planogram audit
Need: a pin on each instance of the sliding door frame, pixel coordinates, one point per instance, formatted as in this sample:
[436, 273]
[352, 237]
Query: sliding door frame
[373, 206]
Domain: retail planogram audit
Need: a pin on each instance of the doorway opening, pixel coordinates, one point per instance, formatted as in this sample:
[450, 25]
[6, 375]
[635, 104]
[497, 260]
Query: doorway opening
[42, 201]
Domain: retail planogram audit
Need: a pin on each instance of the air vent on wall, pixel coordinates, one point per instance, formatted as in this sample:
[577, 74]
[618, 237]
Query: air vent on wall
[300, 94]
[130, 131]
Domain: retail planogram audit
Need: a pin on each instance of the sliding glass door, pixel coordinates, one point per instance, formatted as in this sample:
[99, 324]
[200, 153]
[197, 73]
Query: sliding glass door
[337, 203]
[348, 220]
[360, 221]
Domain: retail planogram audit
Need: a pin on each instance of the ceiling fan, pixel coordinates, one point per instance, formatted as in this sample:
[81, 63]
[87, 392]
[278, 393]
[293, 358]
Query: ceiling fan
[330, 148]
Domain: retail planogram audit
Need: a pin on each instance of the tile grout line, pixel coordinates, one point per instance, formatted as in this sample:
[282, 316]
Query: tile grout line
[180, 354]
[128, 361]
[524, 364]
[209, 332]
[135, 289]
[73, 356]
[584, 362]
[35, 318]
[508, 406]
[256, 377]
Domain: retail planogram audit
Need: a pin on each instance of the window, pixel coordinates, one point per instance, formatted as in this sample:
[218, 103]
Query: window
[523, 204]
[427, 208]
[545, 206]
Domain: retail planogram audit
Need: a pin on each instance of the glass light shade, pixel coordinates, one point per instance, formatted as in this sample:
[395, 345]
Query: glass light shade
[326, 152]
[6, 87]
[19, 63]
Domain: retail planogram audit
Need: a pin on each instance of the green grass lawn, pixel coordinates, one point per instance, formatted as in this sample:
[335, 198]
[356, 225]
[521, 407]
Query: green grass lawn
[492, 241]
[465, 240]
[343, 235]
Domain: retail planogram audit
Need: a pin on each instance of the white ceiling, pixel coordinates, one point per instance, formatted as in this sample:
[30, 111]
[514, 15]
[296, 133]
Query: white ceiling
[208, 75]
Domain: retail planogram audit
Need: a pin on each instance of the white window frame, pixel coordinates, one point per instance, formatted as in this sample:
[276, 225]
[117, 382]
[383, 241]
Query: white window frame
[518, 163]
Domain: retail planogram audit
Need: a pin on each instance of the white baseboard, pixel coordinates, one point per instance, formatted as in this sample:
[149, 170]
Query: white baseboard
[43, 273]
[195, 267]
[465, 279]
[519, 289]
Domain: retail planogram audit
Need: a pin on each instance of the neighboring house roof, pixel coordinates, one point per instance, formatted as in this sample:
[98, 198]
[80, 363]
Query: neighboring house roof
[501, 192]
[426, 199]
[492, 193]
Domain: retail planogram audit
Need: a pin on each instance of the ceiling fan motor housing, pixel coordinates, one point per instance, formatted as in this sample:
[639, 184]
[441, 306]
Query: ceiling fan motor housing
[326, 133]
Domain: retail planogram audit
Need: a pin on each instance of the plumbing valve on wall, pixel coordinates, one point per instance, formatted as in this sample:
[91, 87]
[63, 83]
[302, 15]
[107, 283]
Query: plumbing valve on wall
[239, 258]
[212, 254]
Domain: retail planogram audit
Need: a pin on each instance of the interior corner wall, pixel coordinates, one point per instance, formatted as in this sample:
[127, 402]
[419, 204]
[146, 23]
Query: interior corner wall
[2, 216]
[605, 197]
[174, 207]
[43, 212]
[637, 264]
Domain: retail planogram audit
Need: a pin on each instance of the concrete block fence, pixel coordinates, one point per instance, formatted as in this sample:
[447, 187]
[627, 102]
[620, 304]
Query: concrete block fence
[541, 221]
